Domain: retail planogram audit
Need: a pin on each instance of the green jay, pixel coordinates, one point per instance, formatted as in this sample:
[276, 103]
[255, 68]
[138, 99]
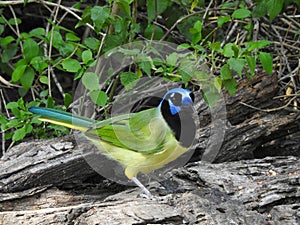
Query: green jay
[140, 142]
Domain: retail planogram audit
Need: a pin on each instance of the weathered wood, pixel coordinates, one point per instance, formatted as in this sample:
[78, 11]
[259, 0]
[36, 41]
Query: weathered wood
[247, 132]
[50, 181]
[243, 192]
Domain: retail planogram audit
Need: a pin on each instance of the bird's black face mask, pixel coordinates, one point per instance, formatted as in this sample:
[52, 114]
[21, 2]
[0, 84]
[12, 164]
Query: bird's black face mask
[177, 110]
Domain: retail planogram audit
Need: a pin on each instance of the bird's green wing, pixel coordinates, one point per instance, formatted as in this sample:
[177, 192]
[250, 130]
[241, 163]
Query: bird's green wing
[143, 132]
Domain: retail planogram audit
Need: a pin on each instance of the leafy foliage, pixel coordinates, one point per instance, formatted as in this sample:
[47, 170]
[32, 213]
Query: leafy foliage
[35, 60]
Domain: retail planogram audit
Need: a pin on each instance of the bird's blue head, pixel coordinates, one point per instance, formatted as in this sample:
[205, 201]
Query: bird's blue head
[177, 99]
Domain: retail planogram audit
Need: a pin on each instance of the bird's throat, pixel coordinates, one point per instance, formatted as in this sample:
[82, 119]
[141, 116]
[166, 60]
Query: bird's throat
[182, 124]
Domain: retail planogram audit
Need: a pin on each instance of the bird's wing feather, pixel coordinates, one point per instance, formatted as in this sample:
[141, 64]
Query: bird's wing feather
[143, 132]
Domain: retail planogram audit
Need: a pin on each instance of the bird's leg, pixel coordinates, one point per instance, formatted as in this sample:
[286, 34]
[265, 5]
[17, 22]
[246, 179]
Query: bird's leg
[145, 190]
[147, 194]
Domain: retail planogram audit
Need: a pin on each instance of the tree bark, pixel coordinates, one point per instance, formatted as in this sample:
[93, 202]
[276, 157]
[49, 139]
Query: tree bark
[256, 124]
[257, 191]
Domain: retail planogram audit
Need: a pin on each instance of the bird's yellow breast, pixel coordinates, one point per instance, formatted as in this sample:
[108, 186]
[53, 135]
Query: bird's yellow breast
[136, 162]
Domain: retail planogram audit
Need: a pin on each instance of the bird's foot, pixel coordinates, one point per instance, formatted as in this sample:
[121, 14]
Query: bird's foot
[157, 198]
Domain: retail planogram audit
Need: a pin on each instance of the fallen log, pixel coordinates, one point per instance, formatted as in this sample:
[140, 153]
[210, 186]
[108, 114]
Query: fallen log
[51, 181]
[258, 191]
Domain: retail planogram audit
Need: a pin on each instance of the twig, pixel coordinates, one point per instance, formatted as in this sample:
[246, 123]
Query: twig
[206, 11]
[179, 21]
[16, 2]
[232, 30]
[255, 29]
[7, 83]
[17, 26]
[9, 25]
[290, 17]
[269, 110]
[3, 131]
[279, 28]
[50, 47]
[285, 96]
[67, 9]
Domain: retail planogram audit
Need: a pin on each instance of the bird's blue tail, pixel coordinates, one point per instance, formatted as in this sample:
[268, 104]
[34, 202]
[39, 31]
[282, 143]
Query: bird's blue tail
[63, 118]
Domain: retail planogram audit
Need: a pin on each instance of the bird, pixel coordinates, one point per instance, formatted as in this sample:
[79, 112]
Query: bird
[142, 141]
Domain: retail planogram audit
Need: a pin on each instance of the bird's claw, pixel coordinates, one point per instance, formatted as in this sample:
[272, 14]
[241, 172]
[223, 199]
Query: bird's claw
[154, 197]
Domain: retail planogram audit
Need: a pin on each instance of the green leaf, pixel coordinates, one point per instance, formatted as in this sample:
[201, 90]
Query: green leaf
[215, 46]
[27, 78]
[130, 52]
[251, 61]
[39, 63]
[57, 41]
[12, 105]
[183, 46]
[38, 32]
[85, 18]
[7, 40]
[24, 36]
[71, 65]
[124, 5]
[21, 103]
[150, 29]
[90, 80]
[87, 56]
[18, 72]
[237, 65]
[112, 41]
[218, 83]
[99, 97]
[72, 37]
[77, 5]
[19, 134]
[231, 86]
[67, 49]
[228, 51]
[146, 66]
[210, 93]
[44, 80]
[67, 100]
[129, 79]
[151, 8]
[266, 61]
[13, 123]
[50, 102]
[223, 19]
[8, 52]
[185, 77]
[251, 45]
[44, 93]
[225, 72]
[274, 8]
[28, 128]
[30, 49]
[193, 5]
[241, 13]
[171, 59]
[99, 15]
[196, 32]
[2, 28]
[200, 75]
[260, 9]
[92, 43]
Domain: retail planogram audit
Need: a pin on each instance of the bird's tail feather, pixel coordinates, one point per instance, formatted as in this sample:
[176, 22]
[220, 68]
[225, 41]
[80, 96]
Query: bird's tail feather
[63, 118]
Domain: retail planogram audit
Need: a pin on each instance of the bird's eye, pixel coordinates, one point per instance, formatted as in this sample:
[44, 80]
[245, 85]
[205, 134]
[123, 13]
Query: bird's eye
[176, 99]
